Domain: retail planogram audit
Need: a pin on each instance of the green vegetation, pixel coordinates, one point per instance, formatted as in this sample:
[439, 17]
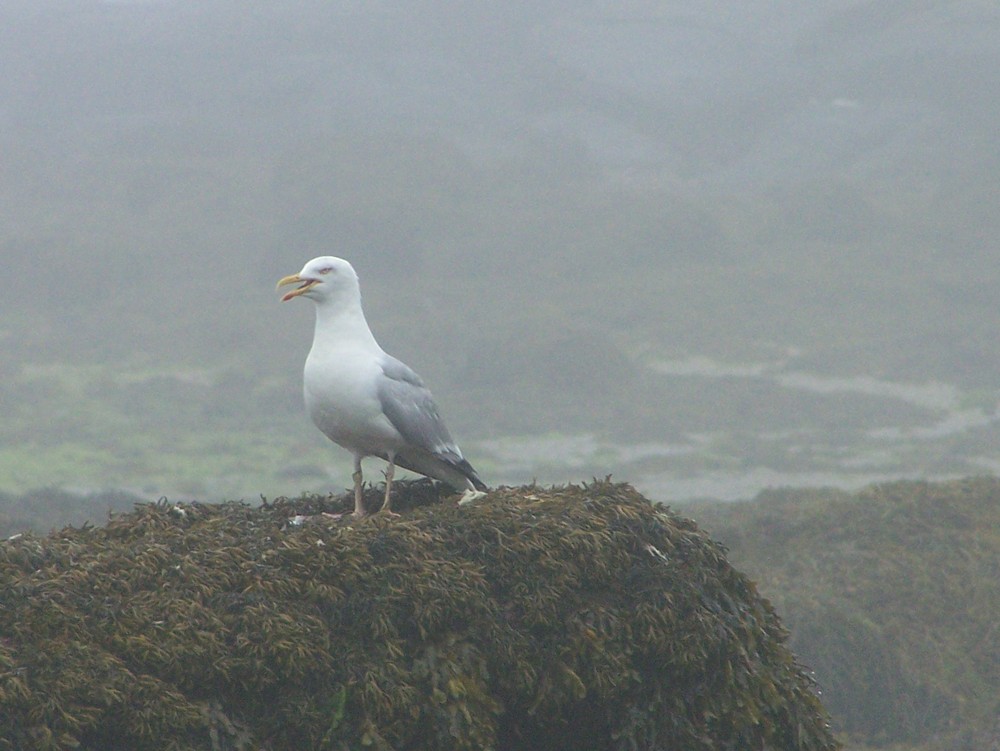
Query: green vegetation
[892, 596]
[186, 431]
[570, 618]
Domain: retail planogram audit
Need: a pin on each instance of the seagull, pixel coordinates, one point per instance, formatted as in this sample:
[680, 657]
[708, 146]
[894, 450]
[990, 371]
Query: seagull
[365, 400]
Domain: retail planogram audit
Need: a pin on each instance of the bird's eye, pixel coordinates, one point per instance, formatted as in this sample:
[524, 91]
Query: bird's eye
[327, 270]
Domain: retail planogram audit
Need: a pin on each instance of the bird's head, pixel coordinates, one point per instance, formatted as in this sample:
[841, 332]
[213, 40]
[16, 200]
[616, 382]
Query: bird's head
[321, 279]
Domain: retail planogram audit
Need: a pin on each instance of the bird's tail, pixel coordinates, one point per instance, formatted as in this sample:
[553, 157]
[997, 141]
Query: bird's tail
[470, 473]
[463, 466]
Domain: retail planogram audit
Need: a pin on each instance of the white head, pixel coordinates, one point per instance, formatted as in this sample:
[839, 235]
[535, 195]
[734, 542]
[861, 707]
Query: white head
[323, 279]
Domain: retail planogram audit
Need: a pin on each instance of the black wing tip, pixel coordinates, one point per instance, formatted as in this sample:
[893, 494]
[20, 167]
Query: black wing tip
[466, 469]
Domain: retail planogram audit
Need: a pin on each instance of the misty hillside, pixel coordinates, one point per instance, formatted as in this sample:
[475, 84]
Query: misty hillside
[765, 93]
[712, 247]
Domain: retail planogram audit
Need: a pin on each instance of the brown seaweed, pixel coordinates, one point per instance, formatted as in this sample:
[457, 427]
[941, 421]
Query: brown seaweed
[536, 618]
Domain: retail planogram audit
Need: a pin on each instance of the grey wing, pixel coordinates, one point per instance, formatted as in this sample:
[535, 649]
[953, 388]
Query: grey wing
[408, 404]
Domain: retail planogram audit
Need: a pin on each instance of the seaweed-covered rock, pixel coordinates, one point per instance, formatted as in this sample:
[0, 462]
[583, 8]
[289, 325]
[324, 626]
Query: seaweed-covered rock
[557, 619]
[893, 597]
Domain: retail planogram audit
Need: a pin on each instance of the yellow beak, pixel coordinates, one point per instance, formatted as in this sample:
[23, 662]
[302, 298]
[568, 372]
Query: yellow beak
[295, 279]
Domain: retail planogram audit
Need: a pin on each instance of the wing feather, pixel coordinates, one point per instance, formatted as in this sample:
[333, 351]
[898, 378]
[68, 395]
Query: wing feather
[408, 404]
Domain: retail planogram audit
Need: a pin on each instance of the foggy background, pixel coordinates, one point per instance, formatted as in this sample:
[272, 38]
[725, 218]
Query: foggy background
[706, 247]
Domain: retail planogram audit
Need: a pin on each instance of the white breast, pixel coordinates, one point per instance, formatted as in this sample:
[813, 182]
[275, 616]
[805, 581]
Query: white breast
[340, 389]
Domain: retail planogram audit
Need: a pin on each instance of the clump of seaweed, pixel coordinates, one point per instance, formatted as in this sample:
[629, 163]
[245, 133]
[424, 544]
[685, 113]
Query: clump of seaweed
[892, 594]
[564, 618]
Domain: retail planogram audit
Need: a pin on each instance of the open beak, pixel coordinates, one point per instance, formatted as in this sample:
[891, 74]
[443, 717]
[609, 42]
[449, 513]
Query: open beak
[296, 279]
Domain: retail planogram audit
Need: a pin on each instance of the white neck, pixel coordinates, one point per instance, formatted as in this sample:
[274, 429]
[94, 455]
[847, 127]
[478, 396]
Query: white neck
[342, 322]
